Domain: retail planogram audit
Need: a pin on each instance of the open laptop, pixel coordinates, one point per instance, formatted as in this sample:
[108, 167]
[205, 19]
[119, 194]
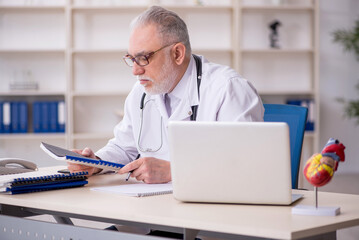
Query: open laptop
[231, 162]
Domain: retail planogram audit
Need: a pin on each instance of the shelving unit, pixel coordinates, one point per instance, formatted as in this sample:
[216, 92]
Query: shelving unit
[290, 72]
[36, 51]
[74, 49]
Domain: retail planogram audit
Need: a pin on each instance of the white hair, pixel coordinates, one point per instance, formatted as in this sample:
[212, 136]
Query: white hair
[170, 26]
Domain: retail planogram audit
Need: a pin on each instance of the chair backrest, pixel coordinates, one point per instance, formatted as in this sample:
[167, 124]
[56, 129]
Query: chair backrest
[296, 118]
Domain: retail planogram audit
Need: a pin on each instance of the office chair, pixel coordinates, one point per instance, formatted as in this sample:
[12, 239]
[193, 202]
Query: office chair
[296, 118]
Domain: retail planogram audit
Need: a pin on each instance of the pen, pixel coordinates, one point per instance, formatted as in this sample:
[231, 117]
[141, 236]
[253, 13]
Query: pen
[129, 173]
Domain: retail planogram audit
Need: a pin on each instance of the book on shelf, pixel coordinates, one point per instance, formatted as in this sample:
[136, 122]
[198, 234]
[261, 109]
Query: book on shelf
[13, 117]
[48, 116]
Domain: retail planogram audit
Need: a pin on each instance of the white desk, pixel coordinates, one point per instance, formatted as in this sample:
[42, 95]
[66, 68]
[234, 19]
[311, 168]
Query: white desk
[229, 220]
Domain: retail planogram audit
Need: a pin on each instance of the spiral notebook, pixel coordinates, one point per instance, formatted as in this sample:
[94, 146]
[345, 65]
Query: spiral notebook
[64, 154]
[36, 183]
[138, 189]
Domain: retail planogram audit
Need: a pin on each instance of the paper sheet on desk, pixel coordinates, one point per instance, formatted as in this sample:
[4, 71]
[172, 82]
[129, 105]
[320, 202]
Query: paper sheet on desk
[138, 189]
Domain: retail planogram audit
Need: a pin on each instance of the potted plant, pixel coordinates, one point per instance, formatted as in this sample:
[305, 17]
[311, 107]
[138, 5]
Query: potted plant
[349, 39]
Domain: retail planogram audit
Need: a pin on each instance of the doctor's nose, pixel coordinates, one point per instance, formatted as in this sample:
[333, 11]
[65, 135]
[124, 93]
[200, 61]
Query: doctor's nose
[137, 69]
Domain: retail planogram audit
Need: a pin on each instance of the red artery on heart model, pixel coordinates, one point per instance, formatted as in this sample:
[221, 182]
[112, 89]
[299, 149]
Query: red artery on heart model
[320, 168]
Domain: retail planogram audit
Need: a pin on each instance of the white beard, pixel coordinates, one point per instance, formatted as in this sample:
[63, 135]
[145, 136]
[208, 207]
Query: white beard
[165, 81]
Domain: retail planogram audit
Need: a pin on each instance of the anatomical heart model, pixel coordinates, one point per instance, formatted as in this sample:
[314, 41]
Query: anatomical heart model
[319, 170]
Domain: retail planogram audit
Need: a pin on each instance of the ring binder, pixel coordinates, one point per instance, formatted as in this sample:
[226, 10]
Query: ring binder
[46, 182]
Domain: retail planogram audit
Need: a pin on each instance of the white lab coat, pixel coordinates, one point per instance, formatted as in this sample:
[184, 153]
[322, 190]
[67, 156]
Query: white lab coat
[224, 96]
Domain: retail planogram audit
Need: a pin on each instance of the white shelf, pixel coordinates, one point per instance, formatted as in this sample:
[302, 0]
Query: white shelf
[284, 8]
[31, 7]
[108, 8]
[309, 134]
[286, 92]
[99, 51]
[198, 7]
[100, 94]
[32, 93]
[276, 51]
[32, 51]
[92, 136]
[124, 51]
[34, 136]
[213, 50]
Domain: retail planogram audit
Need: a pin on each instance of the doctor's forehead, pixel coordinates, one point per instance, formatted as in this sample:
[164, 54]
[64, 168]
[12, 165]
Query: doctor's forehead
[143, 39]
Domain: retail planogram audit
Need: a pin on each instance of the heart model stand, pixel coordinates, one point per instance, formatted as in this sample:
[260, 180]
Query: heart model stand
[319, 170]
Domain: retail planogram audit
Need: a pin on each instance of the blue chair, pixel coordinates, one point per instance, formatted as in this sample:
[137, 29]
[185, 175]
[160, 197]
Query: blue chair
[296, 118]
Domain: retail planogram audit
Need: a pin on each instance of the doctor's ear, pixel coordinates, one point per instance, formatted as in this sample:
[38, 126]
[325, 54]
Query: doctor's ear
[178, 53]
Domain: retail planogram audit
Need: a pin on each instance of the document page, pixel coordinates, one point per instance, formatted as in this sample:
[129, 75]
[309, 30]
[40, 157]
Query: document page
[137, 189]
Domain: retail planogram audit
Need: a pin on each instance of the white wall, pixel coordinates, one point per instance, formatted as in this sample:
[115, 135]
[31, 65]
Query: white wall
[339, 73]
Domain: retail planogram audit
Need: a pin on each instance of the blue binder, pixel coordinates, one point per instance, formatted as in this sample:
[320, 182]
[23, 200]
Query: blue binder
[23, 117]
[36, 117]
[45, 117]
[52, 116]
[15, 123]
[6, 117]
[48, 116]
[45, 183]
[1, 119]
[61, 116]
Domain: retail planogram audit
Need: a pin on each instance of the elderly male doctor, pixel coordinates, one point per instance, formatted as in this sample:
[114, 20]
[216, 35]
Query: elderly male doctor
[172, 85]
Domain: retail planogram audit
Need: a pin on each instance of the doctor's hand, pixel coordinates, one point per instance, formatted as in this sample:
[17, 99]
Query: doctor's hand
[149, 170]
[87, 152]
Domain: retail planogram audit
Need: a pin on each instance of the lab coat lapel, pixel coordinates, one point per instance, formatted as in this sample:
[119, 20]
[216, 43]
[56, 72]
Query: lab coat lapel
[183, 111]
[161, 106]
[190, 98]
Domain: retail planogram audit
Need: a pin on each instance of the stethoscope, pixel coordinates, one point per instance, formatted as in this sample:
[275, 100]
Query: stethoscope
[194, 108]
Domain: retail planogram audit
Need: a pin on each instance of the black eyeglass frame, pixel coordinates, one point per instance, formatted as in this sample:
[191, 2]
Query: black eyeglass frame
[144, 58]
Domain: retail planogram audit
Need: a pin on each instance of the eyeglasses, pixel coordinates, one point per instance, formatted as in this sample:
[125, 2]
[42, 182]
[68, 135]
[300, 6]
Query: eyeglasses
[141, 60]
